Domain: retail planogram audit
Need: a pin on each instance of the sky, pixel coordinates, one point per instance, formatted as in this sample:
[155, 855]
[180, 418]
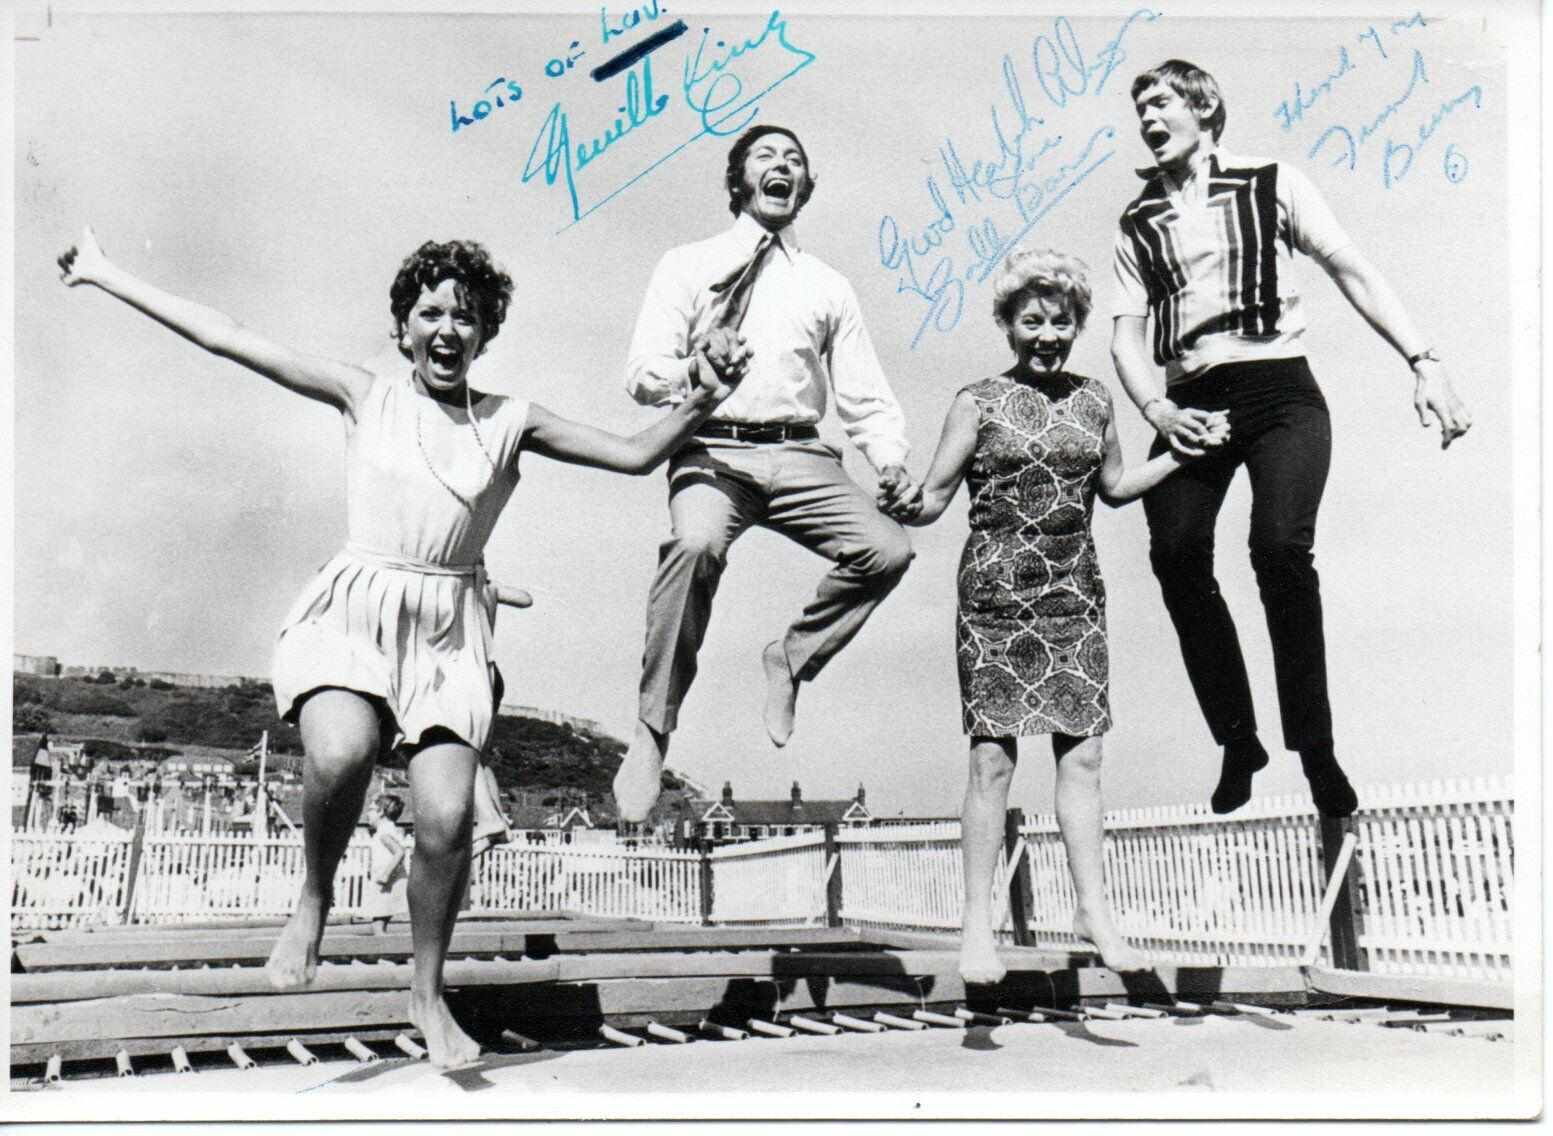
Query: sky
[278, 167]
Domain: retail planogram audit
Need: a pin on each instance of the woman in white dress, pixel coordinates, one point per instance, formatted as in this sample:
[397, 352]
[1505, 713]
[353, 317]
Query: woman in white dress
[390, 643]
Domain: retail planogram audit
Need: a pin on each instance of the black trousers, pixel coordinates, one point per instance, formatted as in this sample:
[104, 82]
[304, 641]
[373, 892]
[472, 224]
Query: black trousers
[1281, 433]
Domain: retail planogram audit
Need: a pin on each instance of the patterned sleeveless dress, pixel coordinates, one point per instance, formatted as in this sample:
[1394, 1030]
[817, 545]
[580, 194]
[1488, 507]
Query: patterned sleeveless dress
[1031, 631]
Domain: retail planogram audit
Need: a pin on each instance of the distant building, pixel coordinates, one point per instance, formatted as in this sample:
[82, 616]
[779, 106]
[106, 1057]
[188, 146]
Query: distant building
[556, 718]
[729, 819]
[195, 764]
[25, 769]
[45, 665]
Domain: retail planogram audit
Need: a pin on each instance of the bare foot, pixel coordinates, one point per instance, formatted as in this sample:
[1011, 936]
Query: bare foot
[781, 693]
[979, 962]
[294, 959]
[447, 1046]
[1114, 950]
[640, 775]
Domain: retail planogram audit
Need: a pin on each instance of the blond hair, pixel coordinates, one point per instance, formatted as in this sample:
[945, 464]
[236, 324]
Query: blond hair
[1043, 272]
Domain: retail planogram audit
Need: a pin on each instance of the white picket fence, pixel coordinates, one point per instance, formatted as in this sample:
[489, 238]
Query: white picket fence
[660, 884]
[1432, 880]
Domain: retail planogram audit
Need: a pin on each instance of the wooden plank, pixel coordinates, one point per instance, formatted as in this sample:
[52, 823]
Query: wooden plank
[180, 1015]
[1414, 988]
[60, 987]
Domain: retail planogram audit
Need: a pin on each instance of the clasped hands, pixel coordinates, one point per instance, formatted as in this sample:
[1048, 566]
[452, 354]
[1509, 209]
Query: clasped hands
[1191, 432]
[722, 360]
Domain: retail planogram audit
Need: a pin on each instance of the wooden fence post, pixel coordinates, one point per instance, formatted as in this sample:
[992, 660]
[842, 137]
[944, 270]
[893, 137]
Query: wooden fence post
[832, 855]
[706, 885]
[1021, 895]
[136, 846]
[1346, 954]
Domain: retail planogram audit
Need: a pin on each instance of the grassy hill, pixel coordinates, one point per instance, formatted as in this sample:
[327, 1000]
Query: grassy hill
[525, 753]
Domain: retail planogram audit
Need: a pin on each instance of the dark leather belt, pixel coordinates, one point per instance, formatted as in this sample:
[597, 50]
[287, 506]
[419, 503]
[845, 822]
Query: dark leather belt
[762, 432]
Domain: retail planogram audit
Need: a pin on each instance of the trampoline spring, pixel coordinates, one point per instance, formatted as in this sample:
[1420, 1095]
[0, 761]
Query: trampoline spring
[1106, 1013]
[1022, 1015]
[1135, 1011]
[856, 1024]
[809, 1025]
[667, 1033]
[525, 1044]
[933, 1019]
[181, 1060]
[239, 1058]
[1240, 1008]
[359, 1052]
[770, 1029]
[121, 1058]
[54, 1070]
[895, 1022]
[405, 1042]
[1178, 1009]
[727, 1033]
[620, 1037]
[977, 1018]
[1412, 1020]
[300, 1053]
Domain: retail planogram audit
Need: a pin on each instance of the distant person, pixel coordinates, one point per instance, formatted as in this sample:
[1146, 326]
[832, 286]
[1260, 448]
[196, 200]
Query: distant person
[390, 644]
[387, 863]
[1205, 267]
[759, 460]
[1038, 444]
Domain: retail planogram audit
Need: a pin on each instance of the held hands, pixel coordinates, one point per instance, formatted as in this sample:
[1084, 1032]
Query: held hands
[722, 360]
[900, 497]
[1191, 432]
[83, 262]
[1435, 400]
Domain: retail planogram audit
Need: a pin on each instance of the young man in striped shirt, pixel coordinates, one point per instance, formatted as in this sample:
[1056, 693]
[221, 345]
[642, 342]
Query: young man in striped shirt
[1206, 291]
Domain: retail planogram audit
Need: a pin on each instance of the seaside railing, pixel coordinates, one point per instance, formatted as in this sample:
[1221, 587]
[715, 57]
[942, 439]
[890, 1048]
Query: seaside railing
[1428, 888]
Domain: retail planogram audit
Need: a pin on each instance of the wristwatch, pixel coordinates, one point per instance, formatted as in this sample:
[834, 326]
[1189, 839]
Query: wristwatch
[1428, 353]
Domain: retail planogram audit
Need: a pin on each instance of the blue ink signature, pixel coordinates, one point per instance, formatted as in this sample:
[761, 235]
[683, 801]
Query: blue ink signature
[716, 92]
[715, 87]
[1347, 143]
[1033, 169]
[1292, 110]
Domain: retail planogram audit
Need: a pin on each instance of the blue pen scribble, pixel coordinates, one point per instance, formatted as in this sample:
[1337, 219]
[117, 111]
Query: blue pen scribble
[716, 92]
[1344, 144]
[984, 201]
[1293, 109]
[717, 86]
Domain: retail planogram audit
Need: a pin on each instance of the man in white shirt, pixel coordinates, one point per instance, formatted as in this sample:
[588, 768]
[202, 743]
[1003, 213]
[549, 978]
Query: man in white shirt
[758, 460]
[1204, 260]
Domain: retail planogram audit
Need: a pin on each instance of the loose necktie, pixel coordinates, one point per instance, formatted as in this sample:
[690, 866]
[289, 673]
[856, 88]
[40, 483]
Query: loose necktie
[736, 288]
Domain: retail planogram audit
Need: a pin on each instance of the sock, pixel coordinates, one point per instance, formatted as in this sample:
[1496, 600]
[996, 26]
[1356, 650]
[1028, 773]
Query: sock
[1242, 758]
[1329, 787]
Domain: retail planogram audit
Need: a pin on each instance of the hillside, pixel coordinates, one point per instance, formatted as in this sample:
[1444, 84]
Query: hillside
[525, 753]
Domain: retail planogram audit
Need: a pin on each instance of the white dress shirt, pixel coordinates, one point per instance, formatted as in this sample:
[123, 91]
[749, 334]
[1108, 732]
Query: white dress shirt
[805, 334]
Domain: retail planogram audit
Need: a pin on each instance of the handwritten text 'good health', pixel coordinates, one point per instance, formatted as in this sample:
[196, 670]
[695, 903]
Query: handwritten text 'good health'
[996, 200]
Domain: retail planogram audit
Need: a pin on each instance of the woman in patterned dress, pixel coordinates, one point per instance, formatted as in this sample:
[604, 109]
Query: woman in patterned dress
[389, 646]
[1037, 444]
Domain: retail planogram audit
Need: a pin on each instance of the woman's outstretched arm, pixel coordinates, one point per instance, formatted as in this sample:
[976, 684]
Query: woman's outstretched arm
[338, 384]
[956, 446]
[639, 453]
[1119, 485]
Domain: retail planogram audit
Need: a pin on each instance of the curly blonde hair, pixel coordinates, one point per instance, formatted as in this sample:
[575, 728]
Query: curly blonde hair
[1027, 272]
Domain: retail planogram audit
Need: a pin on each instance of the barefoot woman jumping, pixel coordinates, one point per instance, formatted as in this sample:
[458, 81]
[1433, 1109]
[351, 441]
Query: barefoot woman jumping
[389, 645]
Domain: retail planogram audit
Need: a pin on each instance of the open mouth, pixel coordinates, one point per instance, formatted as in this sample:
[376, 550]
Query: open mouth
[778, 187]
[445, 358]
[1156, 137]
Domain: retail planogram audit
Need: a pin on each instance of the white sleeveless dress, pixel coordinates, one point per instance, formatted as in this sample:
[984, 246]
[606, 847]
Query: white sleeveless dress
[405, 612]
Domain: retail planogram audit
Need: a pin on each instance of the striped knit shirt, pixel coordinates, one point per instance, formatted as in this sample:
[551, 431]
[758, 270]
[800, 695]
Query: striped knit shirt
[1209, 261]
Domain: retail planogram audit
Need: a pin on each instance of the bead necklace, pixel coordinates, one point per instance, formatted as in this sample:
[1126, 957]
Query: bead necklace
[425, 457]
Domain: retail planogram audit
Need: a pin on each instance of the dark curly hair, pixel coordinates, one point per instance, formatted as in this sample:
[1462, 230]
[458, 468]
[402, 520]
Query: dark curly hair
[738, 193]
[489, 288]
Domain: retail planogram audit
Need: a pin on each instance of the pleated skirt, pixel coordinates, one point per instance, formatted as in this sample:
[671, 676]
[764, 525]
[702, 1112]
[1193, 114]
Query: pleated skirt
[416, 635]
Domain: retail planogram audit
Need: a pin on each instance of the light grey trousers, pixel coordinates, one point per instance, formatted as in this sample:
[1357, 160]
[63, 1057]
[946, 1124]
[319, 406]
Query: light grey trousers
[717, 490]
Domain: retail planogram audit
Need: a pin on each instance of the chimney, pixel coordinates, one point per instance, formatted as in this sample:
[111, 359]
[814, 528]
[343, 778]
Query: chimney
[797, 796]
[859, 798]
[727, 792]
